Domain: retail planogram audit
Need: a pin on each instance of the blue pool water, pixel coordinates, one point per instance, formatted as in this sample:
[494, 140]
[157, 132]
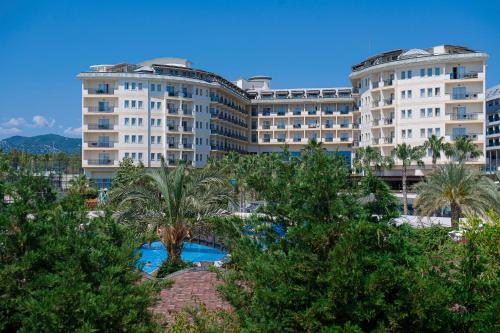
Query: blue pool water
[156, 254]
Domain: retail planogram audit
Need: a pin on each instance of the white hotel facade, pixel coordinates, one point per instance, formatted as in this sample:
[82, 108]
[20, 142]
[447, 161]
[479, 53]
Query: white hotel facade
[165, 108]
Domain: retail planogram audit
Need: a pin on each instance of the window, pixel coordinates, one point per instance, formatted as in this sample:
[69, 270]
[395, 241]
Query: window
[429, 112]
[403, 75]
[152, 122]
[409, 134]
[133, 138]
[139, 104]
[158, 139]
[403, 134]
[422, 92]
[408, 113]
[408, 93]
[437, 91]
[126, 86]
[133, 121]
[153, 87]
[133, 156]
[127, 121]
[126, 104]
[152, 156]
[437, 71]
[158, 122]
[429, 92]
[139, 139]
[403, 114]
[409, 74]
[437, 112]
[437, 131]
[429, 132]
[139, 85]
[133, 85]
[422, 72]
[158, 87]
[429, 71]
[422, 113]
[126, 139]
[133, 104]
[158, 105]
[158, 156]
[152, 140]
[152, 105]
[127, 155]
[139, 156]
[422, 132]
[403, 94]
[139, 121]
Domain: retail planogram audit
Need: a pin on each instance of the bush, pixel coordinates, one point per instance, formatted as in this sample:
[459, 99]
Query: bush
[169, 267]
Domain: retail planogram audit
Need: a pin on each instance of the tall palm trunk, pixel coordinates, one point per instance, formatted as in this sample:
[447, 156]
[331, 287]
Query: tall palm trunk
[405, 195]
[455, 214]
[173, 237]
[434, 161]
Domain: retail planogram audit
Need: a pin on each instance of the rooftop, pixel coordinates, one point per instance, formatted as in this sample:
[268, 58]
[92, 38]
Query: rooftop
[402, 54]
[493, 92]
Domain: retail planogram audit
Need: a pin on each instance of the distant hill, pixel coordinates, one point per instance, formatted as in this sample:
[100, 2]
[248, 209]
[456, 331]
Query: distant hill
[42, 144]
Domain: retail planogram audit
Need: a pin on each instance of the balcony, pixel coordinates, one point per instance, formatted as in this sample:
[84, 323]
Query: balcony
[375, 122]
[328, 125]
[470, 116]
[312, 112]
[100, 126]
[172, 111]
[187, 145]
[297, 125]
[266, 139]
[387, 121]
[329, 139]
[388, 102]
[493, 131]
[375, 104]
[494, 118]
[281, 139]
[180, 94]
[375, 85]
[281, 126]
[313, 125]
[297, 139]
[344, 139]
[388, 140]
[344, 111]
[328, 112]
[101, 109]
[100, 91]
[464, 76]
[172, 144]
[464, 96]
[297, 112]
[173, 128]
[387, 83]
[97, 144]
[100, 162]
[266, 126]
[471, 136]
[185, 128]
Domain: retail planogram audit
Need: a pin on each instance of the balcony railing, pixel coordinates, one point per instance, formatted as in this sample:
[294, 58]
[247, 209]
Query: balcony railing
[100, 91]
[387, 83]
[108, 109]
[100, 126]
[375, 85]
[297, 125]
[470, 116]
[466, 96]
[388, 140]
[97, 144]
[281, 139]
[313, 125]
[492, 131]
[344, 125]
[266, 126]
[388, 121]
[462, 76]
[100, 162]
[471, 136]
[344, 139]
[187, 145]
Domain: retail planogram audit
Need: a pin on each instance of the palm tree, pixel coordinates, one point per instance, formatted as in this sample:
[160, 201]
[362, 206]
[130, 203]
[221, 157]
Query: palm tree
[437, 145]
[366, 157]
[407, 154]
[464, 148]
[171, 202]
[460, 188]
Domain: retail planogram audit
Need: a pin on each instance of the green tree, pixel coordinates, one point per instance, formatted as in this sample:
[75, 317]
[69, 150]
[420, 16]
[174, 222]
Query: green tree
[464, 149]
[172, 202]
[460, 188]
[407, 155]
[366, 158]
[81, 186]
[128, 173]
[437, 145]
[61, 272]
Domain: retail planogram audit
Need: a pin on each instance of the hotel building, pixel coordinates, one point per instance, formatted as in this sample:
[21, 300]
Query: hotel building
[165, 108]
[405, 96]
[493, 129]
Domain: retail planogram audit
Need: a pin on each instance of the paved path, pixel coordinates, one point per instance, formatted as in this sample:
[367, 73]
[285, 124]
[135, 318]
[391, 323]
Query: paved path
[191, 287]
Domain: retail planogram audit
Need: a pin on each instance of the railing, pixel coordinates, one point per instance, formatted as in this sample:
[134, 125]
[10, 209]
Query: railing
[185, 128]
[344, 139]
[281, 126]
[266, 140]
[344, 125]
[266, 126]
[387, 83]
[187, 145]
[281, 139]
[493, 118]
[375, 104]
[329, 139]
[469, 75]
[375, 85]
[180, 94]
[328, 112]
[389, 140]
[109, 109]
[97, 144]
[388, 121]
[458, 96]
[312, 125]
[375, 122]
[297, 139]
[470, 116]
[100, 162]
[98, 91]
[100, 126]
[297, 113]
[328, 125]
[172, 111]
[312, 113]
[471, 136]
[388, 101]
[297, 125]
[172, 145]
[493, 131]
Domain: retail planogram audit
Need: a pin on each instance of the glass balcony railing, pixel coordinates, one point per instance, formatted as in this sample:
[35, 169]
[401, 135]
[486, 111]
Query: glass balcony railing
[470, 116]
[100, 126]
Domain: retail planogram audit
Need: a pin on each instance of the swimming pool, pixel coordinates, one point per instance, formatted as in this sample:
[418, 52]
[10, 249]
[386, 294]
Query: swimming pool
[156, 253]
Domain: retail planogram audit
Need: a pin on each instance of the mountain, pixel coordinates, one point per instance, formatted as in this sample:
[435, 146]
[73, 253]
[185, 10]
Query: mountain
[42, 144]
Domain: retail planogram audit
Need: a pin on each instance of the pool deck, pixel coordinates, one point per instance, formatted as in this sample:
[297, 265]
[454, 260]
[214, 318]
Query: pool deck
[192, 286]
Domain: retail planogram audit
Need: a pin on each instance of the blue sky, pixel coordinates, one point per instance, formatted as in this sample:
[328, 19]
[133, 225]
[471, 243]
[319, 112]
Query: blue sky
[44, 44]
